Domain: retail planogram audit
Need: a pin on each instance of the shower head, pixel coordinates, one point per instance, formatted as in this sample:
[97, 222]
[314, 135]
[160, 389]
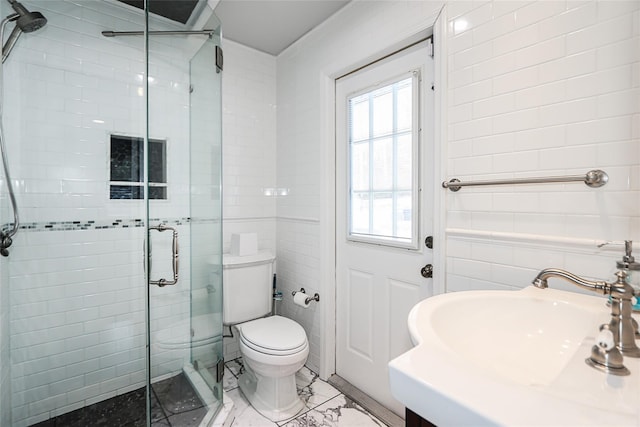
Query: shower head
[31, 22]
[26, 22]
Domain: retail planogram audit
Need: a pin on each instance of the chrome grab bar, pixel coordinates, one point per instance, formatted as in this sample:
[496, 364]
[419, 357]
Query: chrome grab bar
[594, 178]
[174, 255]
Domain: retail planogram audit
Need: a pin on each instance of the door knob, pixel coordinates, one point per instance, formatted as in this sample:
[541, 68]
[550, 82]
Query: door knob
[427, 271]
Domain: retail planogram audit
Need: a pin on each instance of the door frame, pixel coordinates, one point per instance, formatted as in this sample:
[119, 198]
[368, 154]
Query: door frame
[438, 27]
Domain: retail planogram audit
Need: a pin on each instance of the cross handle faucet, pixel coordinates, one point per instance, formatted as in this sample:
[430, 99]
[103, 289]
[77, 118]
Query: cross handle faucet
[622, 325]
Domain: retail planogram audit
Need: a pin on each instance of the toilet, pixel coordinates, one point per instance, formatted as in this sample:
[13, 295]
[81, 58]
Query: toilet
[273, 348]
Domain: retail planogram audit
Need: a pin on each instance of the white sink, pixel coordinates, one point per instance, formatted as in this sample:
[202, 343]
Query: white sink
[512, 358]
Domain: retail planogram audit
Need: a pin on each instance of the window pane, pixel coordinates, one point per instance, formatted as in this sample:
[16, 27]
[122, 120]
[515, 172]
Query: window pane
[383, 164]
[360, 166]
[404, 105]
[403, 215]
[382, 214]
[360, 213]
[405, 167]
[383, 112]
[359, 118]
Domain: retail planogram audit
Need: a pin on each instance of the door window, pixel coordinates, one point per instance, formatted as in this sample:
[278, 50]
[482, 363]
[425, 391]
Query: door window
[383, 151]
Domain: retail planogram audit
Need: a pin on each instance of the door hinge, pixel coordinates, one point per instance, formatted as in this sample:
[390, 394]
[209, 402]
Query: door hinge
[431, 49]
[219, 59]
[220, 370]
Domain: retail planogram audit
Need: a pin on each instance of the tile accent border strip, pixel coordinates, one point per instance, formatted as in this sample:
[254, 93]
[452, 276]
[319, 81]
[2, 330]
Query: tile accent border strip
[97, 225]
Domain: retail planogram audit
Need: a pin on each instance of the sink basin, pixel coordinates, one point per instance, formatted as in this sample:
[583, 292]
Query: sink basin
[512, 358]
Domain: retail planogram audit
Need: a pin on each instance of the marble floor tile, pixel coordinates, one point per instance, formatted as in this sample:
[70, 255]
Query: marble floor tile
[312, 390]
[337, 412]
[324, 404]
[245, 415]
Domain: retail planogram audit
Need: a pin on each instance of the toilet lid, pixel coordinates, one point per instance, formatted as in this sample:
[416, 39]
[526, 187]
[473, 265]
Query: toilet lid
[275, 334]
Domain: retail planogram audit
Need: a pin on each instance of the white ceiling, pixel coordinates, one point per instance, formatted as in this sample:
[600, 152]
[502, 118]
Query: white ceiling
[272, 25]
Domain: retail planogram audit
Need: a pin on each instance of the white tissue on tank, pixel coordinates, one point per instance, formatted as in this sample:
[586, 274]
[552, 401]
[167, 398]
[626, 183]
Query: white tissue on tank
[244, 244]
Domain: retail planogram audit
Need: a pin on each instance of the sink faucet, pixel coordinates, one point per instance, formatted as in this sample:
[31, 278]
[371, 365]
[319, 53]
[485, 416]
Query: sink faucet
[592, 285]
[622, 325]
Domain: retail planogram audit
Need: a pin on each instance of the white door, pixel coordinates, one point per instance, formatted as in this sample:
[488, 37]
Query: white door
[384, 155]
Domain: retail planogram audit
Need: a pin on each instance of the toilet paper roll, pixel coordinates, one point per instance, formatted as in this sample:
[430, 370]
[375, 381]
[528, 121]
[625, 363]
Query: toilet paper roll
[300, 299]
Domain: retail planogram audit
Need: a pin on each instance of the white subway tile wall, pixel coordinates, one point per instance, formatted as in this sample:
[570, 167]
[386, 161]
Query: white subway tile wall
[249, 150]
[558, 97]
[535, 88]
[76, 279]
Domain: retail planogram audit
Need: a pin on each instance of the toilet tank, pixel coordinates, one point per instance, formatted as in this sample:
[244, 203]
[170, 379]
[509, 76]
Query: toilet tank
[247, 287]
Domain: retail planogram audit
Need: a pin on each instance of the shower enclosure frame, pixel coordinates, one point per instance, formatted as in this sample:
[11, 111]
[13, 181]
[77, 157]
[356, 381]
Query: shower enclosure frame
[200, 266]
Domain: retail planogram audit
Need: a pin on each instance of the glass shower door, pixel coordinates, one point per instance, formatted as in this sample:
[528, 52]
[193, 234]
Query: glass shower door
[206, 214]
[184, 215]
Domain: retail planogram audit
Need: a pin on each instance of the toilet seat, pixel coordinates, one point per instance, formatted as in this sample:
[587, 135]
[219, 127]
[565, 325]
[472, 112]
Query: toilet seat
[275, 335]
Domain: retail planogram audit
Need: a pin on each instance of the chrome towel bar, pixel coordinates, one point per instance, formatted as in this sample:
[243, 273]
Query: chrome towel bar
[594, 178]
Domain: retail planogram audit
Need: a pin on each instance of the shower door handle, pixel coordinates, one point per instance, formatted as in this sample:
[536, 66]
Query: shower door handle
[174, 256]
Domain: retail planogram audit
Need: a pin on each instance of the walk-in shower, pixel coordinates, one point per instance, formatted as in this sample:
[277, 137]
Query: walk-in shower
[114, 147]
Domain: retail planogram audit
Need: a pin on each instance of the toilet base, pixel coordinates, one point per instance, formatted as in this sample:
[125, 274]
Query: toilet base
[275, 398]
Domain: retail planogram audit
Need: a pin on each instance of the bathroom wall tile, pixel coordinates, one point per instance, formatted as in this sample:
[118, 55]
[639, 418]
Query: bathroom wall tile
[609, 80]
[516, 39]
[619, 103]
[573, 19]
[535, 12]
[493, 106]
[582, 156]
[486, 69]
[517, 80]
[540, 95]
[624, 52]
[541, 52]
[603, 33]
[472, 56]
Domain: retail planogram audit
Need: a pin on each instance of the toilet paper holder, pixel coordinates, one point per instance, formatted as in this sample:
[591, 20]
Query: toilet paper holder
[316, 296]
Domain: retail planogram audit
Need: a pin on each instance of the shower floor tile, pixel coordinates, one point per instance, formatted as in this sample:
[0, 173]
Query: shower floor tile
[174, 403]
[325, 406]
